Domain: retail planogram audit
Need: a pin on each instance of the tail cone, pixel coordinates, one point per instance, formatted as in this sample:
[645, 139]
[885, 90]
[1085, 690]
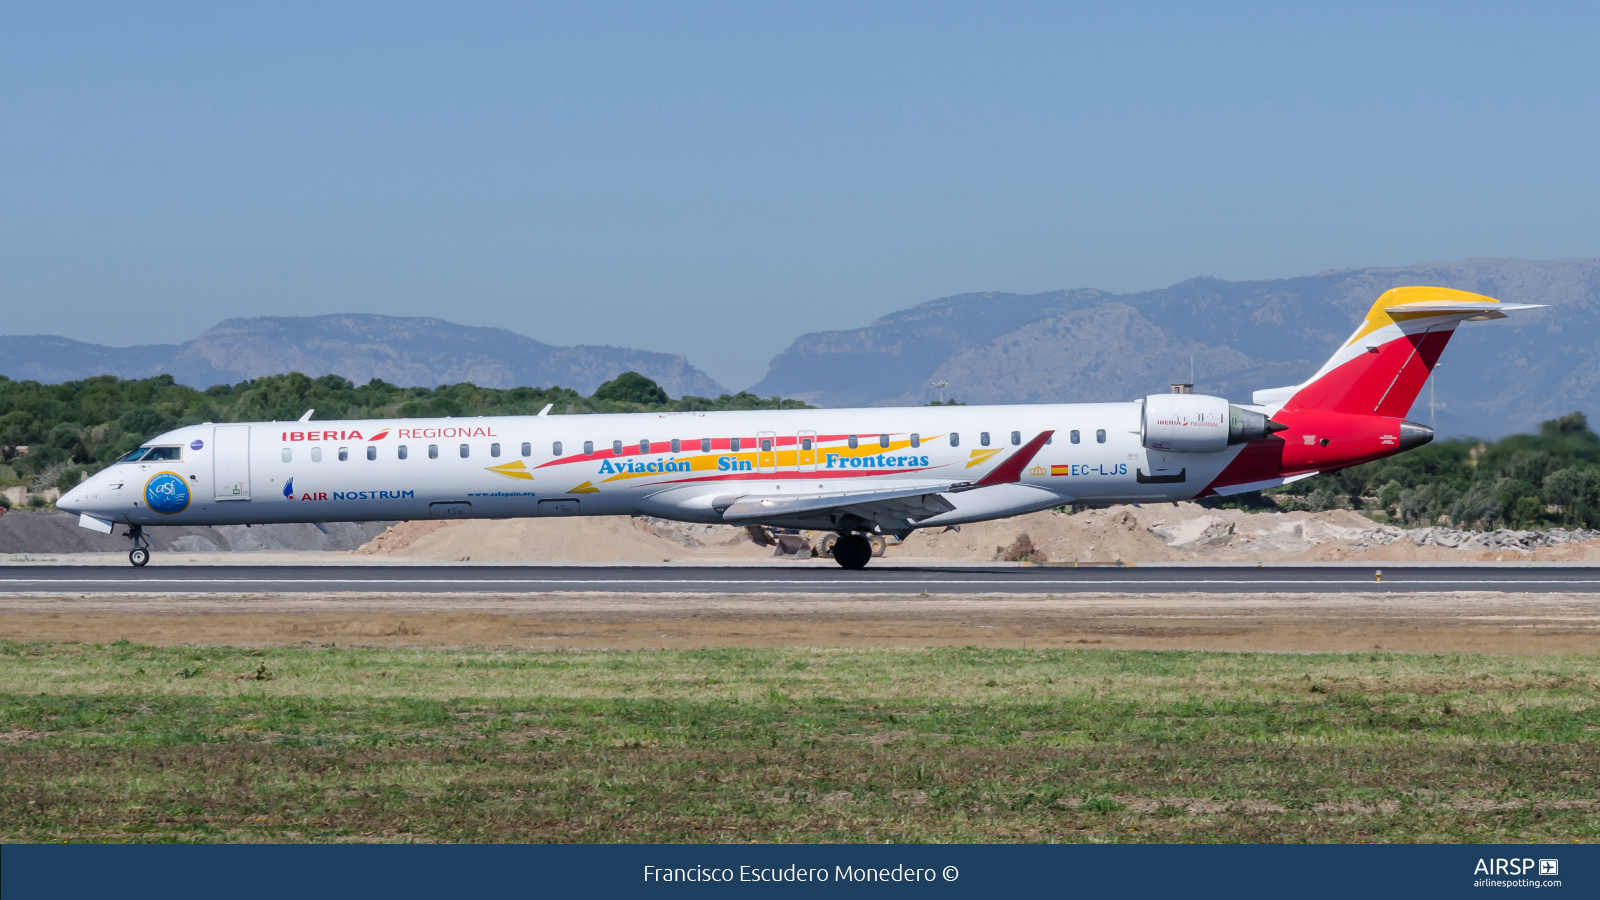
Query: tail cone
[1414, 435]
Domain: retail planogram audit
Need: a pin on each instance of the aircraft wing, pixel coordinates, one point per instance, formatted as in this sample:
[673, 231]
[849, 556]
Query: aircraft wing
[905, 503]
[891, 508]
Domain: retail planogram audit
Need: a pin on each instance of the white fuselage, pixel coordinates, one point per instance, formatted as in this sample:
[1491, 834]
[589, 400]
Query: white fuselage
[511, 466]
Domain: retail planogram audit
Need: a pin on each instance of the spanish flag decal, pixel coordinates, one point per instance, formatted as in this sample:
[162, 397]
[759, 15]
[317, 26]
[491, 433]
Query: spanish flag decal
[512, 470]
[1060, 470]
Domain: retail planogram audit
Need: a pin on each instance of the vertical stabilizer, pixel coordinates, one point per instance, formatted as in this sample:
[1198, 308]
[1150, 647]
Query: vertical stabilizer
[1383, 366]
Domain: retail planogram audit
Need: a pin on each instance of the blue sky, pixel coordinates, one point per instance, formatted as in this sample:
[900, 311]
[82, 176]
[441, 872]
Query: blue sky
[714, 180]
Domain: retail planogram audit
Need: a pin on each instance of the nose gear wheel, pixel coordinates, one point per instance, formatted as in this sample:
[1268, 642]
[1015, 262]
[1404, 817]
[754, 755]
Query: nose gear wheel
[140, 554]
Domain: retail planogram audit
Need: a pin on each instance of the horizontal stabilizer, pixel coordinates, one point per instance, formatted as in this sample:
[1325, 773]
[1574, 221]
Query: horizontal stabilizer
[1480, 311]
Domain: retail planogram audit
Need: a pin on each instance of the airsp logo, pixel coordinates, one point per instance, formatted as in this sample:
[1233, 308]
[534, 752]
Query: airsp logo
[1514, 867]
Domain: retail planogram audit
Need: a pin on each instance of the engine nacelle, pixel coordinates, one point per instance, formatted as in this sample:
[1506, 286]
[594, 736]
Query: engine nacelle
[1197, 423]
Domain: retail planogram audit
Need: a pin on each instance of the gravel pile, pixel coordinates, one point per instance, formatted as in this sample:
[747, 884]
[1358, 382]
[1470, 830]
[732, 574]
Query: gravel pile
[1499, 539]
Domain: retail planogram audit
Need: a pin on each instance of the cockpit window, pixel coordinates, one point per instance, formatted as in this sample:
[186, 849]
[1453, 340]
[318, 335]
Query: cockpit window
[134, 455]
[163, 453]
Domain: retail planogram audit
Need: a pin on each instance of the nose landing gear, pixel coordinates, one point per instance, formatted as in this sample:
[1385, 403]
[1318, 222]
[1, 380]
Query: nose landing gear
[140, 554]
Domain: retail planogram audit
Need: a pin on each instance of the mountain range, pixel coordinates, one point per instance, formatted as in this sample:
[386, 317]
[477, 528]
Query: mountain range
[410, 352]
[1054, 347]
[1083, 345]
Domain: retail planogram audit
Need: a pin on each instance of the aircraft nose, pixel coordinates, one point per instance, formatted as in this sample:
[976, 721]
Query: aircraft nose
[72, 501]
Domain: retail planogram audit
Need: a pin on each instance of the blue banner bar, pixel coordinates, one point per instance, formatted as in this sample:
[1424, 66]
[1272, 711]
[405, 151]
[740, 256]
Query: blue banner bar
[36, 872]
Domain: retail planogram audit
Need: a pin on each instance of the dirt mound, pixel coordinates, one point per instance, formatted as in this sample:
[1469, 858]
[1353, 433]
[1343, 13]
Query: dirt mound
[1190, 532]
[596, 539]
[1103, 535]
[1167, 532]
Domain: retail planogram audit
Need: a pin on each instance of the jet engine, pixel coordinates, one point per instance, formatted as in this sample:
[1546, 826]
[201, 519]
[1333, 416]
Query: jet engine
[1196, 423]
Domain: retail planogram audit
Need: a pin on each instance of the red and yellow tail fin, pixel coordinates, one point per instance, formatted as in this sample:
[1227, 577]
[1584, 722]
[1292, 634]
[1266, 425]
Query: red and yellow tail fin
[1383, 366]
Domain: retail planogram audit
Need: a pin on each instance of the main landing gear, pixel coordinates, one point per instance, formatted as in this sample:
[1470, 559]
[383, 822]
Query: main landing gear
[140, 554]
[852, 551]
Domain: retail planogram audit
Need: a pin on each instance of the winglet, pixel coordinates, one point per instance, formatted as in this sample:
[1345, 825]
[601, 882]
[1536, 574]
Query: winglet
[1011, 470]
[546, 410]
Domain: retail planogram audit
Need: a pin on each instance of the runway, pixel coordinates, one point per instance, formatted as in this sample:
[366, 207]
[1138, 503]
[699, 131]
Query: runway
[809, 580]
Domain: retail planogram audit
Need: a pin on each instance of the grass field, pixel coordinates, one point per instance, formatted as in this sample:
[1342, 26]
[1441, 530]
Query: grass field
[129, 743]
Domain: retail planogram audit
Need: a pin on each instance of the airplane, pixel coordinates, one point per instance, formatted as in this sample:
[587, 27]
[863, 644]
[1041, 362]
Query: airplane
[855, 472]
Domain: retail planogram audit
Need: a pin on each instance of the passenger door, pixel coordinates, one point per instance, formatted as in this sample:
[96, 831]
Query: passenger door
[230, 462]
[767, 451]
[806, 451]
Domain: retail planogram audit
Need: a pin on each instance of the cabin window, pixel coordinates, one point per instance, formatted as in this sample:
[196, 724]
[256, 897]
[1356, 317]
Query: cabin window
[1074, 435]
[372, 452]
[616, 448]
[1016, 438]
[916, 440]
[805, 443]
[766, 445]
[677, 446]
[588, 448]
[527, 448]
[316, 454]
[734, 444]
[853, 442]
[288, 454]
[494, 450]
[705, 445]
[433, 451]
[1100, 436]
[465, 451]
[400, 451]
[955, 439]
[344, 454]
[555, 449]
[644, 446]
[983, 438]
[883, 440]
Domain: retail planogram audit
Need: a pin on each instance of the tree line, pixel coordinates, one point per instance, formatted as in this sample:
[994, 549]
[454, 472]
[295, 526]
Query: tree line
[54, 433]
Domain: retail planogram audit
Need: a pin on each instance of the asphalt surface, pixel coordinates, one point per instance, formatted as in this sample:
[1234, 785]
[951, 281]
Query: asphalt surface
[806, 580]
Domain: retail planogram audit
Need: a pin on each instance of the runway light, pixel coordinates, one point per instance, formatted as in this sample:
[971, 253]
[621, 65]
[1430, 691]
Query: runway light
[1379, 575]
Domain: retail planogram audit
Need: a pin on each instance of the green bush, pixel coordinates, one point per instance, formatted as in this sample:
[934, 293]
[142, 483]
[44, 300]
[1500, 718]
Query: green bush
[631, 387]
[1524, 481]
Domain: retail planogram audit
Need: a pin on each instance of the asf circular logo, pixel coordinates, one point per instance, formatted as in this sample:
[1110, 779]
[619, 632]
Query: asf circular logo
[166, 493]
